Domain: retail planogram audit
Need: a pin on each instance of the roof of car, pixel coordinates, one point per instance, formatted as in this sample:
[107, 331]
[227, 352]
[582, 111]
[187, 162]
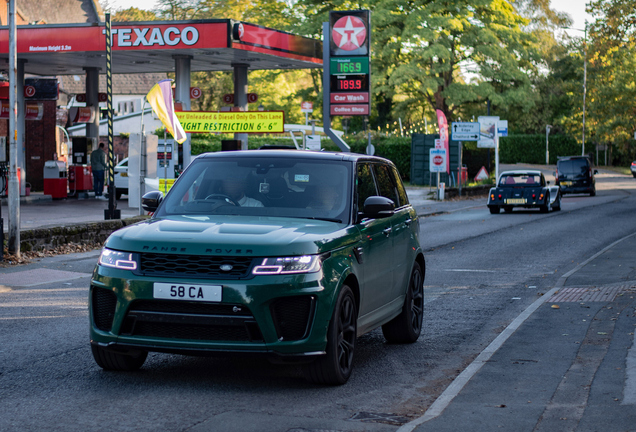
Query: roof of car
[322, 155]
[521, 172]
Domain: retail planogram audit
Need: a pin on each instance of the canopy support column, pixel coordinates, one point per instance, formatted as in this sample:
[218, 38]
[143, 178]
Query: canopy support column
[240, 96]
[92, 100]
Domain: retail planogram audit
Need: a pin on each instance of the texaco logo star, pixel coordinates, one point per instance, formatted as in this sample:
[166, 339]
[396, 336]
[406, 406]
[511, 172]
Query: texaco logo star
[349, 33]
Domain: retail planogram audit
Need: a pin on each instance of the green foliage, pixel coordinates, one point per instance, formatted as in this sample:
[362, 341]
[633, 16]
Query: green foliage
[531, 148]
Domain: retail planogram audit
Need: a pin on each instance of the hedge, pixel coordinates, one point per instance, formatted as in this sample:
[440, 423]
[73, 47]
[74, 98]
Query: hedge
[512, 149]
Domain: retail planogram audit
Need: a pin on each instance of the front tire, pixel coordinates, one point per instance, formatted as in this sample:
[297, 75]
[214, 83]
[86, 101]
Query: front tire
[493, 209]
[407, 326]
[557, 203]
[334, 368]
[112, 361]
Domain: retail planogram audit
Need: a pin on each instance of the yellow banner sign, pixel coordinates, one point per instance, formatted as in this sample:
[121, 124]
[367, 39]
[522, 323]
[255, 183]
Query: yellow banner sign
[165, 185]
[232, 122]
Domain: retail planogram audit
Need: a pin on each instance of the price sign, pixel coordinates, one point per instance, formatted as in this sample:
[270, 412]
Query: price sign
[351, 65]
[341, 83]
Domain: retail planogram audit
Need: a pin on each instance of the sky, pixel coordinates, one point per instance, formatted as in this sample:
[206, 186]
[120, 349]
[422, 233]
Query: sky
[576, 9]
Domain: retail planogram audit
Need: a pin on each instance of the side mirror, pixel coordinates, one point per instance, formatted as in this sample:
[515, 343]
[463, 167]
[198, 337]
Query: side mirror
[377, 207]
[548, 182]
[151, 201]
[595, 172]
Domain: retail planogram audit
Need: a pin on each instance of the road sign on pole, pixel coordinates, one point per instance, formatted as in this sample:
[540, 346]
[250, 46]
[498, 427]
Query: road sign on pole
[464, 131]
[437, 160]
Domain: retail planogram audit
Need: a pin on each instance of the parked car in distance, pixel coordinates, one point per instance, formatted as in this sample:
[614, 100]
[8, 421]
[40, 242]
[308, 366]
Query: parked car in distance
[574, 175]
[525, 189]
[283, 253]
[633, 169]
[121, 178]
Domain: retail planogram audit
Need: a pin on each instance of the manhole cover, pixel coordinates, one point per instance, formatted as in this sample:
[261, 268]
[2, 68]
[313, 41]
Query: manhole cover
[592, 294]
[392, 419]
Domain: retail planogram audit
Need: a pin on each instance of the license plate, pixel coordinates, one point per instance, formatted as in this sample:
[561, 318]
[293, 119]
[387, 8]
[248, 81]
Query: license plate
[516, 201]
[177, 291]
[566, 183]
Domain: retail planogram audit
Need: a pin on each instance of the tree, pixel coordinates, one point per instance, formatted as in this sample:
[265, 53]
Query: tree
[133, 14]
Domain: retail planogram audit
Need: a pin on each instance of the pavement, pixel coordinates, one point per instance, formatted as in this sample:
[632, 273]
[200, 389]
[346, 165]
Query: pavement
[569, 364]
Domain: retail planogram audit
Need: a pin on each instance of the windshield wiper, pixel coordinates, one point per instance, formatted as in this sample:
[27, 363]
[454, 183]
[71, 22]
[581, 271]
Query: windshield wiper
[322, 219]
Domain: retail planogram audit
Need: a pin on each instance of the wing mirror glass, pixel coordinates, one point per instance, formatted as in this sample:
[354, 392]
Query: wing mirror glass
[151, 200]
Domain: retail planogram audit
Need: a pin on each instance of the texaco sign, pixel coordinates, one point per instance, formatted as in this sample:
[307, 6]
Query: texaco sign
[349, 33]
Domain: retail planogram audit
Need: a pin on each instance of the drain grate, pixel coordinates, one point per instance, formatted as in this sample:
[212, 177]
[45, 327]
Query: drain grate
[368, 417]
[591, 294]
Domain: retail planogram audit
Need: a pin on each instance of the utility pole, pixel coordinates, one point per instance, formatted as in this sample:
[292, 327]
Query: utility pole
[14, 182]
[584, 86]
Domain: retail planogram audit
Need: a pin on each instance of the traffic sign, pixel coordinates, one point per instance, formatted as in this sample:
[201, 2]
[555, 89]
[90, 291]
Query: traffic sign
[488, 136]
[307, 107]
[502, 128]
[482, 174]
[464, 131]
[437, 160]
[252, 97]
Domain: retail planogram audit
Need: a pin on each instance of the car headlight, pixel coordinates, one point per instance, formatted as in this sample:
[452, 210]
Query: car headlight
[288, 265]
[118, 260]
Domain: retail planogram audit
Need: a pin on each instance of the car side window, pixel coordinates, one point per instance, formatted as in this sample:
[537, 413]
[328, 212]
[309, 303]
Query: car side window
[385, 183]
[404, 199]
[365, 184]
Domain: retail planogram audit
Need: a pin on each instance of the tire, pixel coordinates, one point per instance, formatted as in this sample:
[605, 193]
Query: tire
[334, 368]
[546, 207]
[557, 203]
[112, 361]
[493, 209]
[593, 193]
[508, 209]
[407, 326]
[118, 194]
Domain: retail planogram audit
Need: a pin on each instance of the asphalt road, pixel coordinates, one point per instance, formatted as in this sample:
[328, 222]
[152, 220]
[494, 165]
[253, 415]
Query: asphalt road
[482, 271]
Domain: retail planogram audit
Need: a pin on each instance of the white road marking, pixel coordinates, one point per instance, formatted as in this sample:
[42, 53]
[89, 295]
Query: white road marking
[470, 270]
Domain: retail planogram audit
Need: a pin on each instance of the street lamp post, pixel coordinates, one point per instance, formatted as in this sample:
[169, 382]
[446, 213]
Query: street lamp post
[584, 80]
[547, 151]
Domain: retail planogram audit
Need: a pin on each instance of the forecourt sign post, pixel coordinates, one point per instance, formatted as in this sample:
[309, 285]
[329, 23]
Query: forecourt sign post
[463, 131]
[346, 71]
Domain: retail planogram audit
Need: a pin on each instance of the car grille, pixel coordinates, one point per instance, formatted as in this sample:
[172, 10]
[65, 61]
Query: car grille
[293, 316]
[191, 320]
[194, 266]
[104, 303]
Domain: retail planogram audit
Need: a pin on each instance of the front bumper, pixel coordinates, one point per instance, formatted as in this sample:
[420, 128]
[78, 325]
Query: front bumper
[282, 316]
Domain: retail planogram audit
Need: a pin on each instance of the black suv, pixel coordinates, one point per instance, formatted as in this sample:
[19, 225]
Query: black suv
[574, 174]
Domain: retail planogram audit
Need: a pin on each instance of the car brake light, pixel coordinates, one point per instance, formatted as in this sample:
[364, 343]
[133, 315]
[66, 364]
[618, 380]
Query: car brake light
[499, 196]
[534, 196]
[556, 175]
[540, 197]
[492, 196]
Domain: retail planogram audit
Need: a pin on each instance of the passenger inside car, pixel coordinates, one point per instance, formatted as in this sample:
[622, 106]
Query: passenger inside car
[235, 188]
[324, 197]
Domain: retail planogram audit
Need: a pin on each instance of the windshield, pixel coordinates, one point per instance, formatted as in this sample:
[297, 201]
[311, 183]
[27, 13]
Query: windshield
[520, 179]
[262, 186]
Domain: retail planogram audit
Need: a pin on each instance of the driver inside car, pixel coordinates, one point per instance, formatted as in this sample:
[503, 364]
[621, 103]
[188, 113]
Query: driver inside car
[235, 189]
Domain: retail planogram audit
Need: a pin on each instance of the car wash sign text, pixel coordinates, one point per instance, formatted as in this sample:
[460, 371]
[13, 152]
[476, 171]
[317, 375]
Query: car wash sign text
[232, 122]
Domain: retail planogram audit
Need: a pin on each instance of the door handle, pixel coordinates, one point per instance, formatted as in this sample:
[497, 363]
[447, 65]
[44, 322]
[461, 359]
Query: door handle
[408, 222]
[387, 231]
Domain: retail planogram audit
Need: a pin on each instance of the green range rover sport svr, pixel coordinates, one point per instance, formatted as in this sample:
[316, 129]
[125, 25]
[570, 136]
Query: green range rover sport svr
[290, 254]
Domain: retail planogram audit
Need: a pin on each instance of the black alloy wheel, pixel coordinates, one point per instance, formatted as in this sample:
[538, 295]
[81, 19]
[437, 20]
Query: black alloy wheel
[334, 368]
[406, 327]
